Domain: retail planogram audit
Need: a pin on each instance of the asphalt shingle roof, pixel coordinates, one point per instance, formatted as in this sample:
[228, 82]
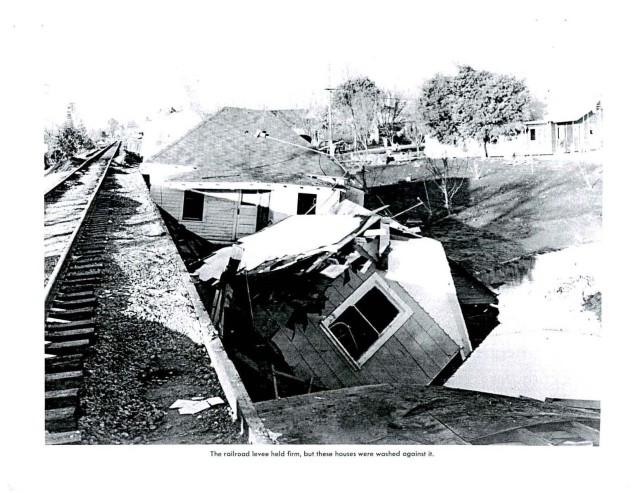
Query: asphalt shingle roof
[225, 148]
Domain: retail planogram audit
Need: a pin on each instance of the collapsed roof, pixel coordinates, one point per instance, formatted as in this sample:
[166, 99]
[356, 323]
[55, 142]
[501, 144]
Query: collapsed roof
[331, 244]
[300, 237]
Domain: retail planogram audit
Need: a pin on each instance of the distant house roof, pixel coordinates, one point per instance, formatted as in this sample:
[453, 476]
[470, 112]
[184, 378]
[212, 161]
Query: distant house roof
[570, 111]
[225, 147]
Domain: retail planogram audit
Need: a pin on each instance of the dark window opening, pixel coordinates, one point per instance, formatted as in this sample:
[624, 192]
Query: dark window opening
[360, 325]
[307, 203]
[532, 134]
[193, 206]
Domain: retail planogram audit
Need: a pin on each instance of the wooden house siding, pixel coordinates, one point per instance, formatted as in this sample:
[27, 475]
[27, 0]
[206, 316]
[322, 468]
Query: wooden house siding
[226, 216]
[218, 217]
[415, 353]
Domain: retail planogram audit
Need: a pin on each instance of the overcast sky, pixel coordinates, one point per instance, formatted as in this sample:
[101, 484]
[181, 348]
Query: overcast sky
[279, 54]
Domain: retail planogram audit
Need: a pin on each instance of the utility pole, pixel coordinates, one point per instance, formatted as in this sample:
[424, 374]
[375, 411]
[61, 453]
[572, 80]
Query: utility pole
[330, 89]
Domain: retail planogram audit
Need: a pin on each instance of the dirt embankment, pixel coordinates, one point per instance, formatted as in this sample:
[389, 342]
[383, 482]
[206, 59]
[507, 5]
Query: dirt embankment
[504, 210]
[147, 354]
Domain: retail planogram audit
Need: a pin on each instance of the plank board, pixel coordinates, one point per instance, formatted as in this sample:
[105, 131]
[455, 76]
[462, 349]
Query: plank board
[408, 370]
[411, 346]
[315, 361]
[334, 361]
[430, 348]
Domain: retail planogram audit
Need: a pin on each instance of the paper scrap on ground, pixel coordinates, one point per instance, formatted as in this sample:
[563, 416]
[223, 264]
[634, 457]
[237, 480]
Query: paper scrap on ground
[193, 406]
[196, 407]
[214, 401]
[180, 403]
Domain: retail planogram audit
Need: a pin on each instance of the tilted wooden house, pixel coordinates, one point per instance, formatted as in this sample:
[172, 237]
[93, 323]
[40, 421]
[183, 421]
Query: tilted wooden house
[241, 170]
[339, 300]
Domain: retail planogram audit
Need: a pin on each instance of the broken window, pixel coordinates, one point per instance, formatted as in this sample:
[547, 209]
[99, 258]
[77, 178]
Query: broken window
[193, 206]
[307, 203]
[366, 320]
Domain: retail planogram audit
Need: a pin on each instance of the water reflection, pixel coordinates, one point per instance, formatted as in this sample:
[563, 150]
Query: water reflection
[512, 272]
[547, 343]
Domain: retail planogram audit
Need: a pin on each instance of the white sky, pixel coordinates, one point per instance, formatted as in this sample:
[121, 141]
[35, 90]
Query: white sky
[278, 53]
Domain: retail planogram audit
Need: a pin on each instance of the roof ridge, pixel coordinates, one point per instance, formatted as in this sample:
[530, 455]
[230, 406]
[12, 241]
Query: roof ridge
[184, 136]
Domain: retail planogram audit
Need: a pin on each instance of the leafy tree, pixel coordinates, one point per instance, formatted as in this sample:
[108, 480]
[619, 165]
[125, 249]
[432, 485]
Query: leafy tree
[68, 139]
[475, 105]
[357, 103]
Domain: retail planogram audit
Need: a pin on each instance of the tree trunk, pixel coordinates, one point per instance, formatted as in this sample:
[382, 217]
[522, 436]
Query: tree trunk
[486, 153]
[445, 194]
[364, 179]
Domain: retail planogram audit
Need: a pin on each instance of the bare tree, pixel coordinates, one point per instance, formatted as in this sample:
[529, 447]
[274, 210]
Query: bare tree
[446, 175]
[392, 113]
[315, 123]
[357, 102]
[583, 168]
[475, 166]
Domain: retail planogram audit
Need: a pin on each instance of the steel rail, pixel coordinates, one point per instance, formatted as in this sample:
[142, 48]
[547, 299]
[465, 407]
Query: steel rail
[96, 155]
[53, 278]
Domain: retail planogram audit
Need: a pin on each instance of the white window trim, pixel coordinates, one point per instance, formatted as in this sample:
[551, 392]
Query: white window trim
[404, 313]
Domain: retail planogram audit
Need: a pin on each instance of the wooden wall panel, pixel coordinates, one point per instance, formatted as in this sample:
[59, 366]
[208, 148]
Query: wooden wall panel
[408, 370]
[334, 360]
[411, 346]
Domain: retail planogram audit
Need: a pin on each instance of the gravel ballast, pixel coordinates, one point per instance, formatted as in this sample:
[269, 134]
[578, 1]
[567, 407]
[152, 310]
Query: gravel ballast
[148, 352]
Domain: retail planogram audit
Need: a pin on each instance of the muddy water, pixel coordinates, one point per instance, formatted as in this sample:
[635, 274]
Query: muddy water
[547, 343]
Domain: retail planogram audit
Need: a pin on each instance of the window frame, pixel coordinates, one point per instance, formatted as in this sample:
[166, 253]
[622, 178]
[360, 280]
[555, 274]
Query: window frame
[184, 201]
[310, 211]
[404, 313]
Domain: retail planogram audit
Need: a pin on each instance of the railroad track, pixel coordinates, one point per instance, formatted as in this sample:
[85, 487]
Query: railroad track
[76, 223]
[65, 202]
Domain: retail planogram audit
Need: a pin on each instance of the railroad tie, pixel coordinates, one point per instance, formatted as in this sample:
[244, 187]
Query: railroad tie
[61, 398]
[64, 363]
[62, 438]
[72, 324]
[73, 289]
[70, 335]
[67, 347]
[61, 419]
[62, 380]
[74, 285]
[71, 314]
[88, 301]
[79, 275]
[87, 264]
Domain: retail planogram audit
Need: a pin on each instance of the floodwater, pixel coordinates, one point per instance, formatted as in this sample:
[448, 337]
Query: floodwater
[547, 343]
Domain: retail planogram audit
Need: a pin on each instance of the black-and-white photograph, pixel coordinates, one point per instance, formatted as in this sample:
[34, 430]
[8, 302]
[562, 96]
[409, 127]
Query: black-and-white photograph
[270, 225]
